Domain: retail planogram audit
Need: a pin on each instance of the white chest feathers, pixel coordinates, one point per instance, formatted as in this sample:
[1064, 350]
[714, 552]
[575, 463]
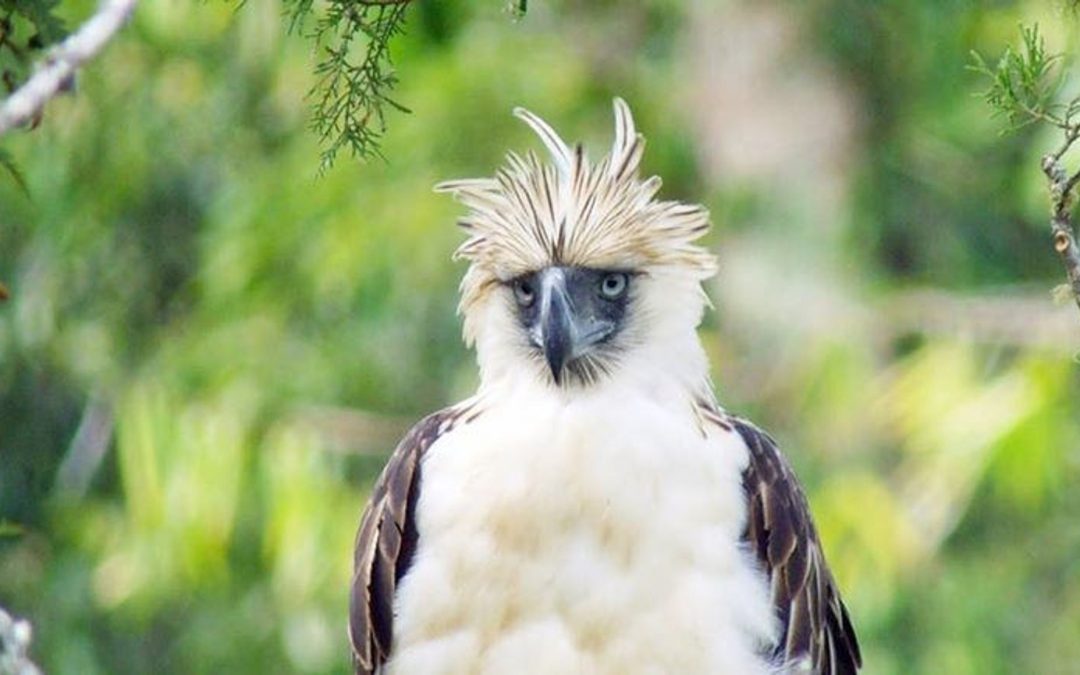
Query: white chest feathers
[598, 536]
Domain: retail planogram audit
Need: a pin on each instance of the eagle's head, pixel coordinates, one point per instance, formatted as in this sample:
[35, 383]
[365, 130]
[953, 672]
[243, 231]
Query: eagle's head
[576, 268]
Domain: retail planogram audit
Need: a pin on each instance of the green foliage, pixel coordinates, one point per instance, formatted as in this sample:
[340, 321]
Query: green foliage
[355, 73]
[518, 8]
[1025, 83]
[9, 529]
[27, 27]
[9, 166]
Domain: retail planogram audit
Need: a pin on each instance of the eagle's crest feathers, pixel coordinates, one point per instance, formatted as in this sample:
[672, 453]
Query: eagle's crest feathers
[533, 214]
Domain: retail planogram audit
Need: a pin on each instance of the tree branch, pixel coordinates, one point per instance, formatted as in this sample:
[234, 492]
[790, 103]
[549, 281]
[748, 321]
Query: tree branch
[55, 72]
[1061, 199]
[1065, 245]
[14, 644]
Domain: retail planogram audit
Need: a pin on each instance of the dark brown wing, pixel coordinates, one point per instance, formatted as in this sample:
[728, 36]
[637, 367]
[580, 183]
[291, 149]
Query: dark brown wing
[387, 540]
[780, 530]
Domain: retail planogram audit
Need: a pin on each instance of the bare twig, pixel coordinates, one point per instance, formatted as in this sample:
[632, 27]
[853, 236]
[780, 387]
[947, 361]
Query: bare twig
[57, 69]
[14, 644]
[1062, 186]
[88, 449]
[1071, 133]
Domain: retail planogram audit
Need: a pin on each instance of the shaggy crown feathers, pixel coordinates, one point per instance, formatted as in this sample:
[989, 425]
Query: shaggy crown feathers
[531, 215]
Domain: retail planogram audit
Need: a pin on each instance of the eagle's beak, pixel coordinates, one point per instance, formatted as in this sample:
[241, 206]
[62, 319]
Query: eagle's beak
[566, 329]
[556, 321]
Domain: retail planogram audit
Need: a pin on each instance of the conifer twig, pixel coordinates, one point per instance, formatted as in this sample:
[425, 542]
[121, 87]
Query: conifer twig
[1024, 88]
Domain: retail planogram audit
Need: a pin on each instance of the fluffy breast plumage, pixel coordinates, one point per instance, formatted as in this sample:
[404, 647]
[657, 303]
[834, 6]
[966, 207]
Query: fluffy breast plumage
[601, 536]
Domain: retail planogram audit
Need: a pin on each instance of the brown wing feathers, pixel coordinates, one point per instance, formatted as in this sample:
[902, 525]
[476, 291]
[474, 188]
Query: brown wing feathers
[386, 542]
[814, 622]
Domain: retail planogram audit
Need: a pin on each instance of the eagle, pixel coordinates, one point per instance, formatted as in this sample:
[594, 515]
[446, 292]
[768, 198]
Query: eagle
[592, 508]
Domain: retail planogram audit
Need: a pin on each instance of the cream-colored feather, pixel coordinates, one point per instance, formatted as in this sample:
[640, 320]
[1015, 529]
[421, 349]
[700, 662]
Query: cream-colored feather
[571, 212]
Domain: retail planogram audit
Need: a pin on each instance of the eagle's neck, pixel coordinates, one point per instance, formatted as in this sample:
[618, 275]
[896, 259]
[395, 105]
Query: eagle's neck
[673, 372]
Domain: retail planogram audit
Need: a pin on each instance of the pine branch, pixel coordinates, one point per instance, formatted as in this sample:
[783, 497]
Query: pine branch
[1024, 84]
[1024, 88]
[56, 71]
[355, 75]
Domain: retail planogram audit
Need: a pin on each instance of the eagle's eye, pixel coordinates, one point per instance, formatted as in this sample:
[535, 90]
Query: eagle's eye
[613, 285]
[524, 292]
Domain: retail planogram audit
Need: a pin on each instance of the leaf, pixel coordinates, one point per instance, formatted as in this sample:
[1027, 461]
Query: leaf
[518, 9]
[50, 28]
[10, 529]
[8, 164]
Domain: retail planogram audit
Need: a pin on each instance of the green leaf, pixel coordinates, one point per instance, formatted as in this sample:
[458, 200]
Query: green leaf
[10, 529]
[49, 27]
[8, 164]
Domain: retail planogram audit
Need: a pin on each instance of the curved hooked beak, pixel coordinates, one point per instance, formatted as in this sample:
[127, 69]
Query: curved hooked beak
[565, 330]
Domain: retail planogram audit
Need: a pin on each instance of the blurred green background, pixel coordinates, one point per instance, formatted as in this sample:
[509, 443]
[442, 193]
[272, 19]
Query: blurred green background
[208, 352]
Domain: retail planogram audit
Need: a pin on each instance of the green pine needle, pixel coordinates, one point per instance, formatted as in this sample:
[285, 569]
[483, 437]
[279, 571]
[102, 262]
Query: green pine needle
[355, 74]
[1025, 83]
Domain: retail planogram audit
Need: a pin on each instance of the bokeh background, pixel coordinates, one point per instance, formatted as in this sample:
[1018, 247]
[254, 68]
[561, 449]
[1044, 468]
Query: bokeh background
[209, 351]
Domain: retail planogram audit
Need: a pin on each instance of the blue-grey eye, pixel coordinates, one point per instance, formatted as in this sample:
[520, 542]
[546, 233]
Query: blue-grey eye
[524, 292]
[613, 285]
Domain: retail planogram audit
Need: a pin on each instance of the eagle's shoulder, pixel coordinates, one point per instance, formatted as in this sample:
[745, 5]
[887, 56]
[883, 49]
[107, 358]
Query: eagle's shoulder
[815, 628]
[387, 537]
